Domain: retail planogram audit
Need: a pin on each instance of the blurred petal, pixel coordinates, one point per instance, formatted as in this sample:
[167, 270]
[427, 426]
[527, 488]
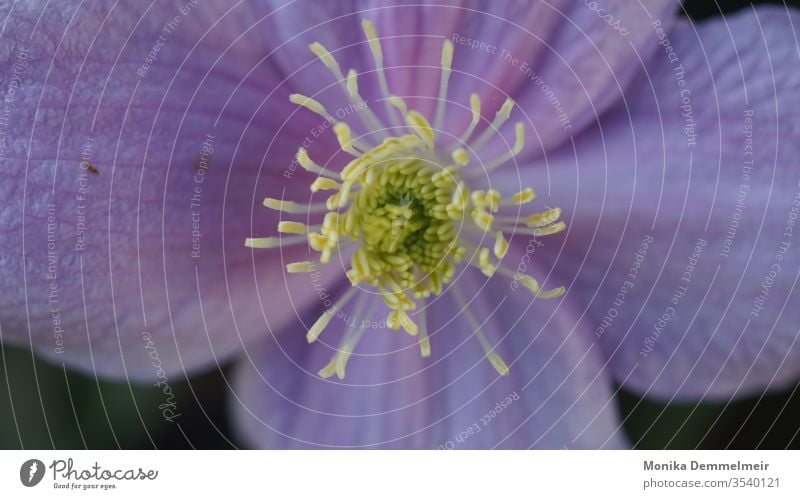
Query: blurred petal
[557, 395]
[149, 243]
[683, 254]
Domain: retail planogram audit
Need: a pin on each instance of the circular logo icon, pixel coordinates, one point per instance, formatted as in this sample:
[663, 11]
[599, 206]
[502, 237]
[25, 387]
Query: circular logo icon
[31, 472]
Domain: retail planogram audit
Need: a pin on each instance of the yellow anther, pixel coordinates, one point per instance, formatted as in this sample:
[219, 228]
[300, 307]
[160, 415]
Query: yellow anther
[506, 108]
[287, 206]
[318, 242]
[460, 157]
[498, 363]
[324, 184]
[493, 199]
[299, 267]
[329, 369]
[475, 108]
[292, 228]
[499, 119]
[316, 330]
[447, 63]
[550, 229]
[533, 285]
[544, 218]
[500, 245]
[345, 138]
[478, 198]
[421, 127]
[399, 318]
[529, 282]
[524, 196]
[425, 347]
[262, 242]
[482, 219]
[306, 162]
[352, 84]
[312, 105]
[326, 57]
[330, 222]
[553, 293]
[398, 103]
[483, 257]
[460, 197]
[447, 55]
[372, 39]
[519, 143]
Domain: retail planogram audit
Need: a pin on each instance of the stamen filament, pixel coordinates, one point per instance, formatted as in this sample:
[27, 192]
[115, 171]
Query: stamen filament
[272, 242]
[313, 106]
[519, 143]
[310, 166]
[495, 359]
[292, 207]
[475, 107]
[316, 330]
[499, 119]
[377, 56]
[531, 283]
[364, 112]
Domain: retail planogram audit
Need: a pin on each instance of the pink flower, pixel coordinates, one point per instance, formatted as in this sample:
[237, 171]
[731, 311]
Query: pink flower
[138, 143]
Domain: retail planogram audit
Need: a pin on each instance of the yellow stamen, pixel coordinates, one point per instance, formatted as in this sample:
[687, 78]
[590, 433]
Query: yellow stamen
[305, 161]
[524, 196]
[291, 207]
[377, 56]
[271, 242]
[447, 63]
[324, 184]
[499, 119]
[544, 218]
[292, 228]
[482, 219]
[312, 105]
[345, 137]
[493, 358]
[319, 326]
[327, 59]
[500, 245]
[421, 127]
[550, 229]
[299, 267]
[475, 108]
[460, 157]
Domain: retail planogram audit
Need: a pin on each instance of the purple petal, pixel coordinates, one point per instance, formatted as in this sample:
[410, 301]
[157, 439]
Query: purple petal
[563, 62]
[557, 394]
[104, 270]
[680, 247]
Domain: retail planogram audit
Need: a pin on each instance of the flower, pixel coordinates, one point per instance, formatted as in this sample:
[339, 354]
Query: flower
[407, 208]
[139, 142]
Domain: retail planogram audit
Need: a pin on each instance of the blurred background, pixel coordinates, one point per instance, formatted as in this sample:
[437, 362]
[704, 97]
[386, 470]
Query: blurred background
[43, 406]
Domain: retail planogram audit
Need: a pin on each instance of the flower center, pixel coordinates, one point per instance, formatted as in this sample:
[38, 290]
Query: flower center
[405, 210]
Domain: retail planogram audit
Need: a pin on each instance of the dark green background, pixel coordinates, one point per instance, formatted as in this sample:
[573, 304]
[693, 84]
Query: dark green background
[43, 406]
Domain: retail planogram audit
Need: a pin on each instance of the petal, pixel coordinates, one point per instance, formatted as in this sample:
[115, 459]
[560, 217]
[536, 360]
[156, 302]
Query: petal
[556, 396]
[681, 246]
[139, 268]
[563, 62]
